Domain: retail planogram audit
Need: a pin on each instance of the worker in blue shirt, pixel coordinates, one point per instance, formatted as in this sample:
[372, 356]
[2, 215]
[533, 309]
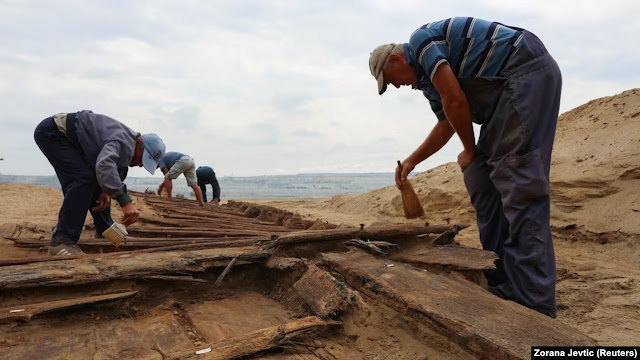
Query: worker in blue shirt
[206, 175]
[503, 78]
[91, 154]
[172, 165]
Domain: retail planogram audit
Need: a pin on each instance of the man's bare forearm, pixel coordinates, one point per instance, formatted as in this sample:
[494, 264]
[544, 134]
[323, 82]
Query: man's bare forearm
[438, 137]
[459, 116]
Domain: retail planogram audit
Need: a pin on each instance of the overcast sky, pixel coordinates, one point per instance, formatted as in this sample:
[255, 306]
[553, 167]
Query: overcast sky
[269, 87]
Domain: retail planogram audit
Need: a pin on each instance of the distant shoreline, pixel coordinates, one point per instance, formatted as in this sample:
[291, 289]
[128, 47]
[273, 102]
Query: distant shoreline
[276, 187]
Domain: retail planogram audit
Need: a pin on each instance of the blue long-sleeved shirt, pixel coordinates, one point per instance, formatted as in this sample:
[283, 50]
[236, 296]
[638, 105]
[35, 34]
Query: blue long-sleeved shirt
[109, 146]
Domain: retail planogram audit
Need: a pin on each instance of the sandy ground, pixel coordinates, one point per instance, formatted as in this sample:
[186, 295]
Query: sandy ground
[595, 184]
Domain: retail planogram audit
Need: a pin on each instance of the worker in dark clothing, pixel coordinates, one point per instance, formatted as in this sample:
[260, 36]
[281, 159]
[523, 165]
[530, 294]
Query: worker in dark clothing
[91, 154]
[206, 175]
[503, 78]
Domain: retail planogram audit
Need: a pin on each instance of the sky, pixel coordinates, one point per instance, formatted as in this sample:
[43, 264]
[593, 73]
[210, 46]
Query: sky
[270, 87]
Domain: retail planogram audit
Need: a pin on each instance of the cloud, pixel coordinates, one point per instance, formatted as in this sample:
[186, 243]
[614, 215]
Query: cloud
[306, 133]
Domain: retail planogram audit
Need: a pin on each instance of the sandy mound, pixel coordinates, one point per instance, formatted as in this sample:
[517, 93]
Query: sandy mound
[441, 192]
[595, 171]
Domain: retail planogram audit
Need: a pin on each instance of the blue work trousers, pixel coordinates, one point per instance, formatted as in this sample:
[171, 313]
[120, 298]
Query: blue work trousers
[215, 188]
[509, 180]
[79, 184]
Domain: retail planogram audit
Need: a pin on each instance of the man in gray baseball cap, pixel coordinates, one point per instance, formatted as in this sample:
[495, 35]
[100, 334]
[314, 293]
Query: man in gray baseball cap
[502, 78]
[91, 154]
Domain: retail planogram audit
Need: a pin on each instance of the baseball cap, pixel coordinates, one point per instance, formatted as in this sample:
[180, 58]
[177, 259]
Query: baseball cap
[377, 60]
[153, 151]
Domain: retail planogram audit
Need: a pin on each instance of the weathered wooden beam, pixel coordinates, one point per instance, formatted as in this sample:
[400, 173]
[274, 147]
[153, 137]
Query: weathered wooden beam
[478, 321]
[124, 266]
[26, 312]
[177, 232]
[286, 263]
[255, 342]
[224, 272]
[208, 244]
[191, 224]
[324, 294]
[188, 244]
[143, 243]
[34, 259]
[447, 237]
[374, 233]
[183, 278]
[451, 258]
[373, 247]
[185, 207]
[183, 219]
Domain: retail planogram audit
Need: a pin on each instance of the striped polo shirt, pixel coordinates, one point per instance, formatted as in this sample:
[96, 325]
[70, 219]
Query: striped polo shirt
[472, 47]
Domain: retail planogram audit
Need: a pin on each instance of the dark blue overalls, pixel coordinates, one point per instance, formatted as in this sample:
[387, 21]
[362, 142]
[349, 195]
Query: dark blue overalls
[206, 175]
[77, 178]
[509, 180]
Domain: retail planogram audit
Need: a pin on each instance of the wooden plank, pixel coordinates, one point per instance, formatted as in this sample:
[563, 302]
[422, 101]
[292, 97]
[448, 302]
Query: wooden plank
[189, 207]
[125, 266]
[475, 319]
[124, 338]
[451, 258]
[208, 226]
[238, 242]
[255, 342]
[325, 295]
[34, 259]
[285, 263]
[177, 232]
[175, 278]
[374, 233]
[192, 244]
[26, 312]
[186, 221]
[140, 243]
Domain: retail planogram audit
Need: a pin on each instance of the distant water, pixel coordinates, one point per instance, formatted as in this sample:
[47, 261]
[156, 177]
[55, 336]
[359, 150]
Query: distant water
[252, 187]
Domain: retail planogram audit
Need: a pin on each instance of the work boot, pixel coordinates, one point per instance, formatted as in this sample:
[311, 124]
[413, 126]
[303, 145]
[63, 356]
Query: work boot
[65, 250]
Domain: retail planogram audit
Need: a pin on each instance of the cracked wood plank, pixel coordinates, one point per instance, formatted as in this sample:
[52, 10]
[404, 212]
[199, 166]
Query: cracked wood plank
[257, 341]
[386, 233]
[126, 266]
[26, 312]
[475, 319]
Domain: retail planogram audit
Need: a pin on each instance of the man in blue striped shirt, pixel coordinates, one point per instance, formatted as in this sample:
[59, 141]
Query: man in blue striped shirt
[503, 78]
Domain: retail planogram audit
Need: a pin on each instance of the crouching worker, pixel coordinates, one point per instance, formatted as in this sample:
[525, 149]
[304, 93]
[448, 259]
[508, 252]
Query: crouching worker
[206, 175]
[91, 154]
[172, 165]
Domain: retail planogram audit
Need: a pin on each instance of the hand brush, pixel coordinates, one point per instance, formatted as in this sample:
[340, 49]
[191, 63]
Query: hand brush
[410, 202]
